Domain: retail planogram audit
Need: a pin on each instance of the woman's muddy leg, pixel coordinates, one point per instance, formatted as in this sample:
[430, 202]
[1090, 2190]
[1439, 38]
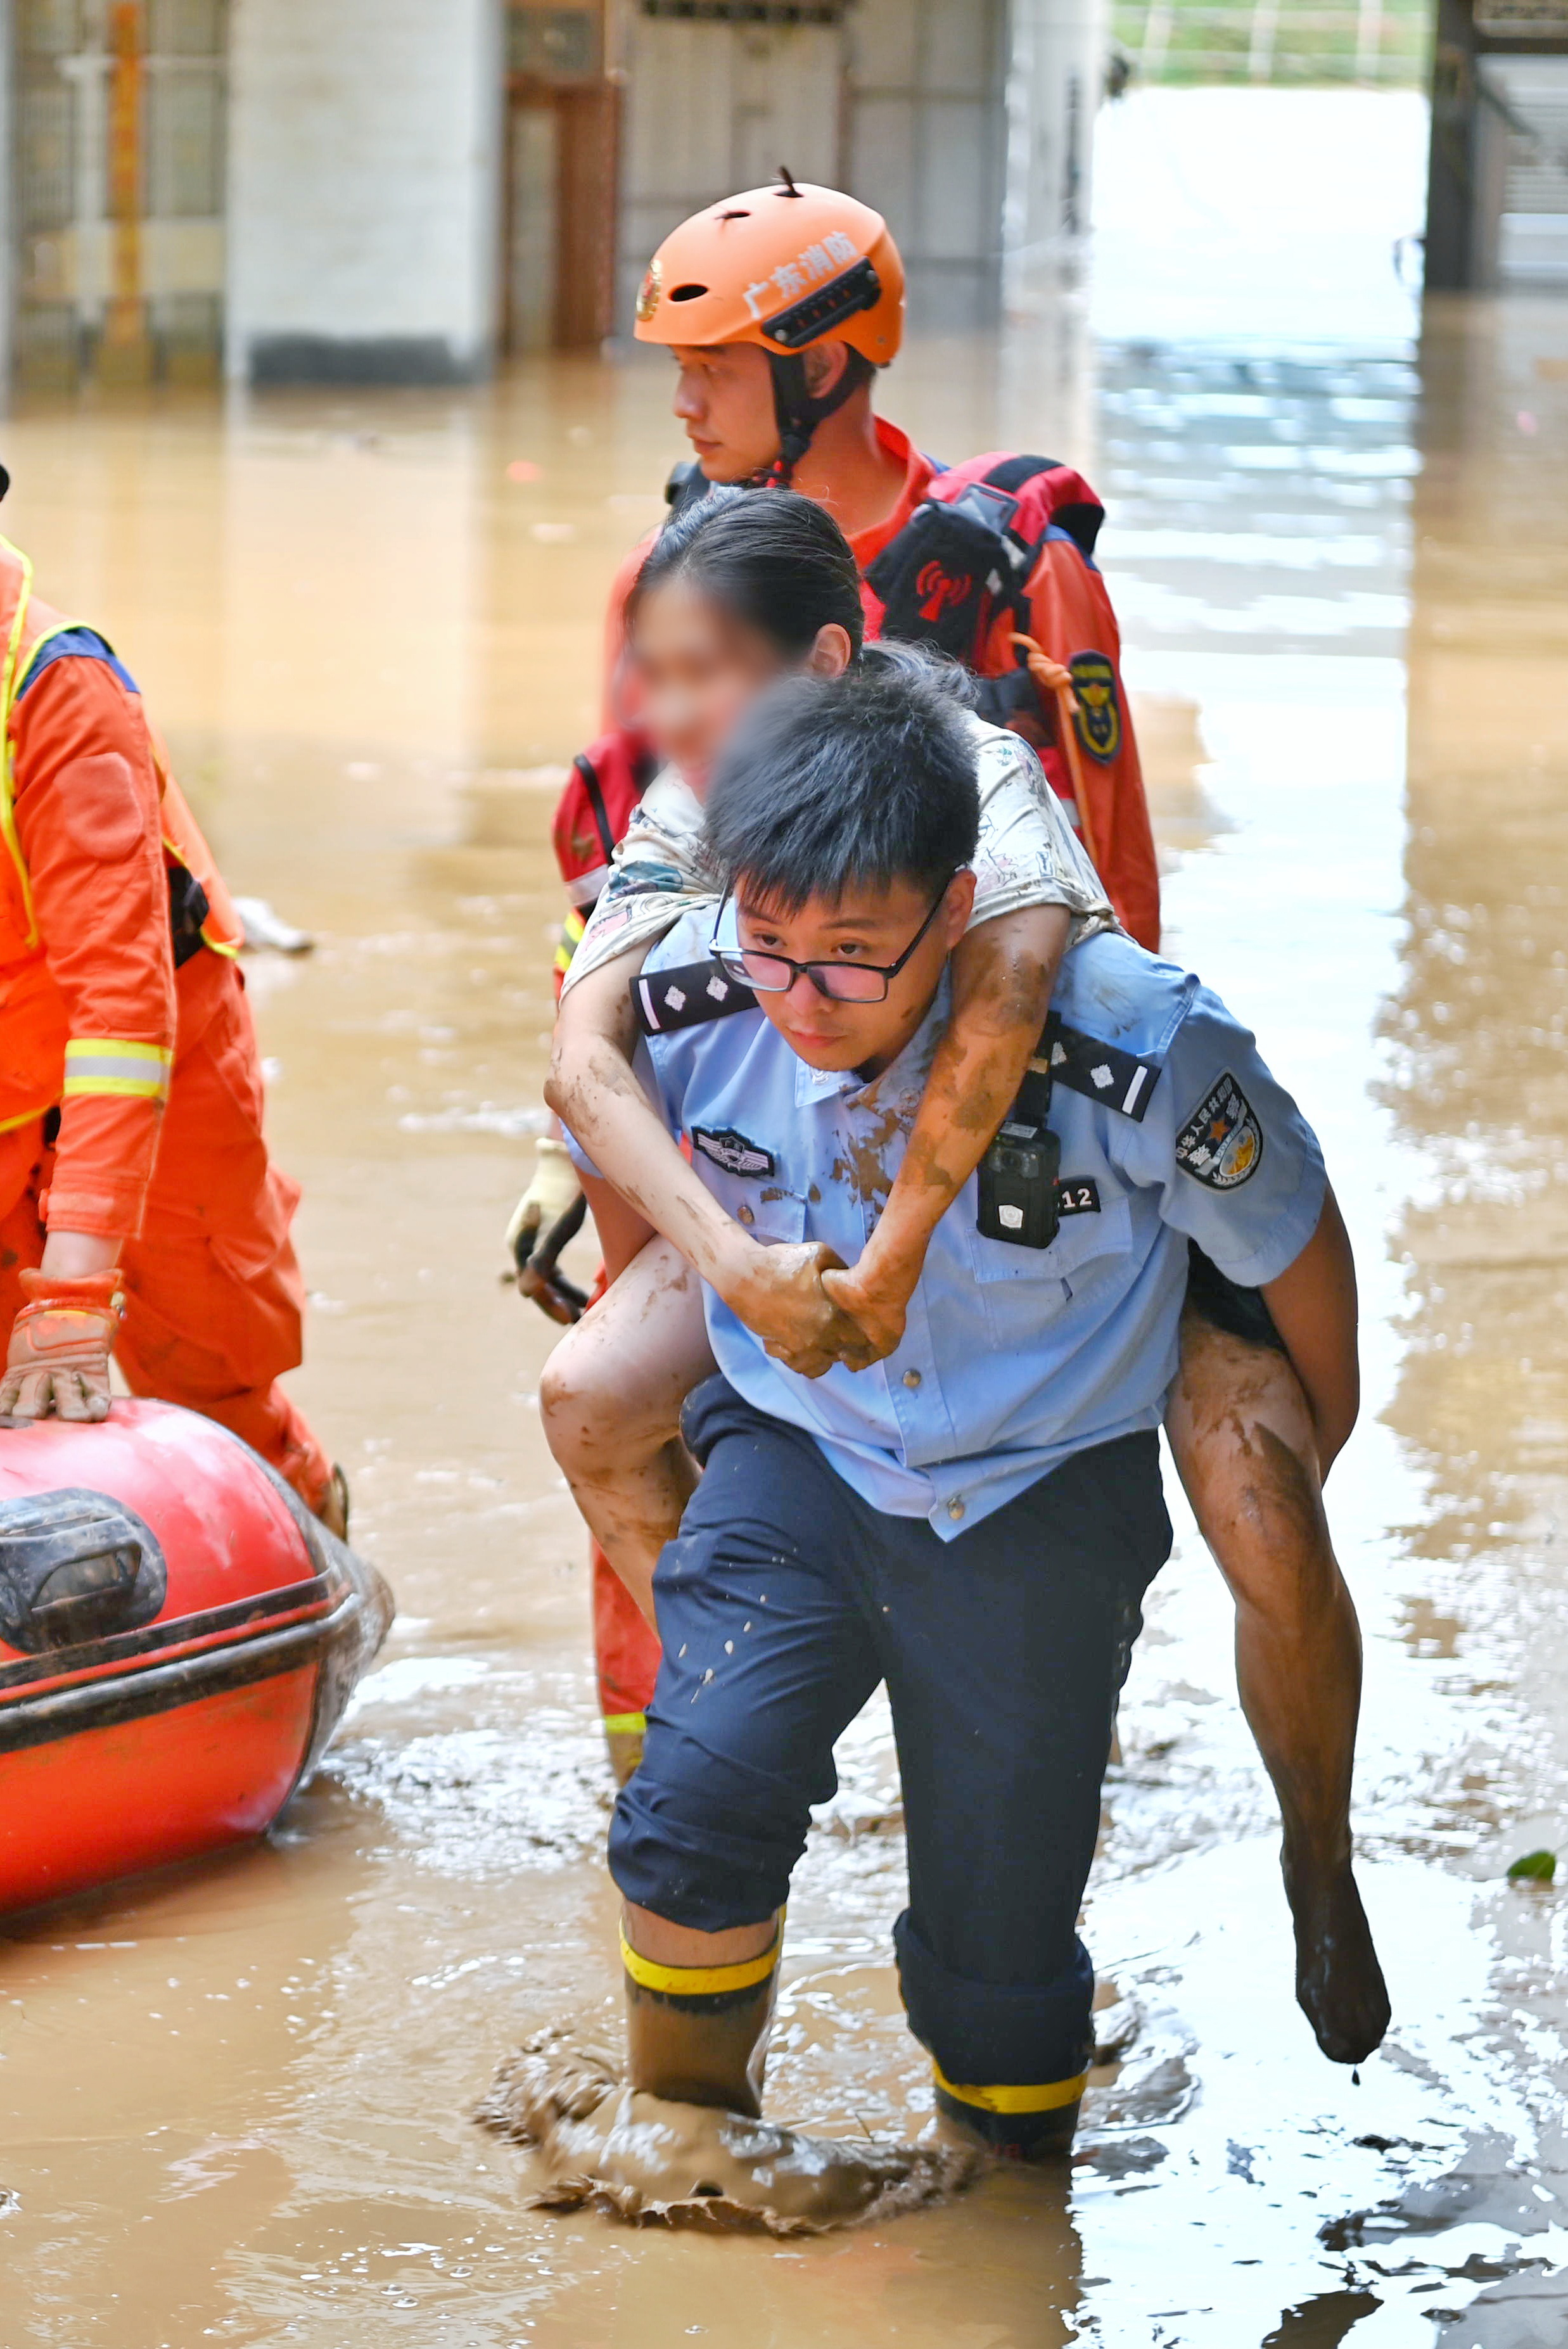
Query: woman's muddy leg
[1243, 1442]
[610, 1401]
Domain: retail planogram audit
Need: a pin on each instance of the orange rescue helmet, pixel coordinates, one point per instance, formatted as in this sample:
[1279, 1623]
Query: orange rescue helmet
[786, 267]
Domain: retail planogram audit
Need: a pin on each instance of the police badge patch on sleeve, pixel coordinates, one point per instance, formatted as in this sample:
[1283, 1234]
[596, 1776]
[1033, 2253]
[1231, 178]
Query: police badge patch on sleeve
[1100, 718]
[732, 1152]
[1221, 1144]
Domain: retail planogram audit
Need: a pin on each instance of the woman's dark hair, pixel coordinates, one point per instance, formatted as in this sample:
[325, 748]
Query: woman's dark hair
[778, 562]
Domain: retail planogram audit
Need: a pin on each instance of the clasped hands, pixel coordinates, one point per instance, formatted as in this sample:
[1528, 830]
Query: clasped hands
[810, 1310]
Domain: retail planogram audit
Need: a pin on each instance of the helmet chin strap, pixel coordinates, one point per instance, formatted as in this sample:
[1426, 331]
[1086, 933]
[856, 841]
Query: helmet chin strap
[798, 413]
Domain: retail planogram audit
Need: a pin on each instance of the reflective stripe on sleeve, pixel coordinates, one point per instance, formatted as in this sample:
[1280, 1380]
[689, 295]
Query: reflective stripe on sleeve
[1048, 2097]
[113, 1064]
[698, 1982]
[572, 929]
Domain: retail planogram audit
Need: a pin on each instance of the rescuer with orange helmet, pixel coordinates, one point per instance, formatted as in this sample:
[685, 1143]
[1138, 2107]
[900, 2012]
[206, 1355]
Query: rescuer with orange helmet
[780, 307]
[140, 1213]
[810, 279]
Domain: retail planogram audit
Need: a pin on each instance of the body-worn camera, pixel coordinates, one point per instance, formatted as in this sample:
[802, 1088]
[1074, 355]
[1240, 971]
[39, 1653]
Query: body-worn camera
[1019, 1195]
[1018, 1178]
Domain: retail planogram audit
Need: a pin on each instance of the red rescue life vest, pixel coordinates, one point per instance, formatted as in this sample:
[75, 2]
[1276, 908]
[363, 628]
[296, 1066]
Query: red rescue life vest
[608, 781]
[957, 576]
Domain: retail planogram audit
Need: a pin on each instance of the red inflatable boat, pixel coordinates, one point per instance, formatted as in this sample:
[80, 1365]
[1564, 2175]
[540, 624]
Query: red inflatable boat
[178, 1640]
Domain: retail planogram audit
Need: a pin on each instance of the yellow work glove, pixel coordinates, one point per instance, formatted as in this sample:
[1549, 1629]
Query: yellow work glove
[60, 1344]
[546, 1216]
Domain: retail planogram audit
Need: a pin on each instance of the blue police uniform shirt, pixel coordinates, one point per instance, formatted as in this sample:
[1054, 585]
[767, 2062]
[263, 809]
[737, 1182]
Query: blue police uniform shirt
[1013, 1358]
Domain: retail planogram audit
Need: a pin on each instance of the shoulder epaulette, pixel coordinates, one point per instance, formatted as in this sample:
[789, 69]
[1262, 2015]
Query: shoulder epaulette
[697, 992]
[1124, 1082]
[686, 998]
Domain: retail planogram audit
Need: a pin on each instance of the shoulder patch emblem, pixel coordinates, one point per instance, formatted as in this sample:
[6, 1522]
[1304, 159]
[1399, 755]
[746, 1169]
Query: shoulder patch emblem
[1221, 1144]
[734, 1151]
[1099, 719]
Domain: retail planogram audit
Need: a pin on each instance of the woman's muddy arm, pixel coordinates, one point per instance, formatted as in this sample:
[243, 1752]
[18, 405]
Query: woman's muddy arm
[595, 1091]
[1314, 1304]
[622, 1233]
[1002, 974]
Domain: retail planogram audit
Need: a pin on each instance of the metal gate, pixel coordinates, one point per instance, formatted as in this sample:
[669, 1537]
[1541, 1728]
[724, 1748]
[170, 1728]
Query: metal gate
[1532, 95]
[119, 159]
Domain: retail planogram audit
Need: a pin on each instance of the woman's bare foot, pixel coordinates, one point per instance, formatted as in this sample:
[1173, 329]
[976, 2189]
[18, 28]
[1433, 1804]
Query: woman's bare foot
[632, 2156]
[1339, 1983]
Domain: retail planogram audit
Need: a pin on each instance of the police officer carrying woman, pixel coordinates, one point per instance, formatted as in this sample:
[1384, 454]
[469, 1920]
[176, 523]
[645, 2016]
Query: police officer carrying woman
[974, 1522]
[774, 385]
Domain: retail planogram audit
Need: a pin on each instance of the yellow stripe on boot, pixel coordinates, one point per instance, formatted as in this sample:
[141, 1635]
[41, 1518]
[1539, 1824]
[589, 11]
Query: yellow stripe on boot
[624, 1733]
[1048, 2096]
[699, 1982]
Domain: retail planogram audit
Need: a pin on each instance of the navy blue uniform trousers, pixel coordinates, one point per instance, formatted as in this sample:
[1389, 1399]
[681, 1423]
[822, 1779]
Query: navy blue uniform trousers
[782, 1603]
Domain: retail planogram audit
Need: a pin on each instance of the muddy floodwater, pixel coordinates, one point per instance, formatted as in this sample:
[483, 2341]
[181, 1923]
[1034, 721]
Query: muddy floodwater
[235, 2102]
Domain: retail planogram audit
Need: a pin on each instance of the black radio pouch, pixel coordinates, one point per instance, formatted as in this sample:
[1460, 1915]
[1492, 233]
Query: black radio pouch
[188, 909]
[1019, 1175]
[940, 578]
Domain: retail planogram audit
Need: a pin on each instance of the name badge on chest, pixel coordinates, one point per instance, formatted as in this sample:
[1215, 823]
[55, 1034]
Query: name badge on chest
[734, 1152]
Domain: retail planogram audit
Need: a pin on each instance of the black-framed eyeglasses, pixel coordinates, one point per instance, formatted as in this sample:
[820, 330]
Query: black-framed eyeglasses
[841, 982]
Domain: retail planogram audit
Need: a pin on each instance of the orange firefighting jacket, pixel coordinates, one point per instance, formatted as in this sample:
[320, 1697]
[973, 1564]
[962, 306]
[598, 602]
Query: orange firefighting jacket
[99, 849]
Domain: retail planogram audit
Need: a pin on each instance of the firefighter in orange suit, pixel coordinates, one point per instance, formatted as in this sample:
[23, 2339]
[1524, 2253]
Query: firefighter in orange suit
[139, 1216]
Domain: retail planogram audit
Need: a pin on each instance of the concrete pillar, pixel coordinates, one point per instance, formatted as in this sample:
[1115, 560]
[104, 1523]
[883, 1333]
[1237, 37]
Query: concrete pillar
[926, 142]
[1467, 175]
[1450, 183]
[1058, 51]
[364, 190]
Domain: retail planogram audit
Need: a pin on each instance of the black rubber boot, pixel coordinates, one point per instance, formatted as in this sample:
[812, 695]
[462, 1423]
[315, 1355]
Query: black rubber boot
[1014, 2136]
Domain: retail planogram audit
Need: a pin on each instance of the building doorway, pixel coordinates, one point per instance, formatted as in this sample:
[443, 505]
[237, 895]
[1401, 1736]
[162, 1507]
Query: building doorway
[563, 118]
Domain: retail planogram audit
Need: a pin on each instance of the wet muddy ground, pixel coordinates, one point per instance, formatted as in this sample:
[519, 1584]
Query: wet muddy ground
[235, 2101]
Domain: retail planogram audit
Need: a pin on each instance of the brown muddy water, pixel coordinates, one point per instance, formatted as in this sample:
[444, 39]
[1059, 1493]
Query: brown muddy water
[235, 2102]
